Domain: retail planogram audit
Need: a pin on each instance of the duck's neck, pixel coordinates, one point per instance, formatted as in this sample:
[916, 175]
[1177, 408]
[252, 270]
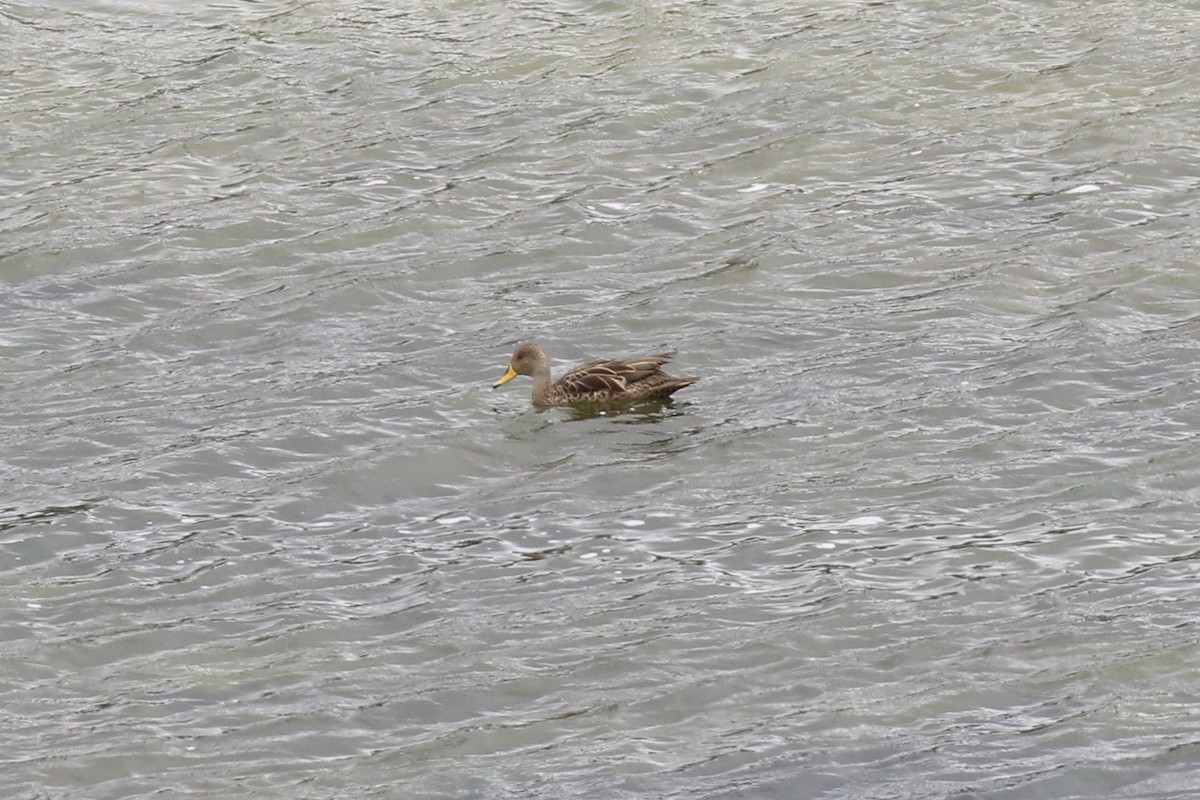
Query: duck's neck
[541, 383]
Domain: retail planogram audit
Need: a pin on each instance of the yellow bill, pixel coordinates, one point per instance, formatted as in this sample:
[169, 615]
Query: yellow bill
[505, 378]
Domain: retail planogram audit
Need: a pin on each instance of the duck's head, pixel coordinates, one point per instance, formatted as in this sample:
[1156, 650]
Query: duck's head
[528, 359]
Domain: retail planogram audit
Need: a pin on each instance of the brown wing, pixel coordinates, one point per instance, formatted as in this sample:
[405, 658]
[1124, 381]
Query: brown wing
[623, 366]
[589, 378]
[650, 363]
[615, 376]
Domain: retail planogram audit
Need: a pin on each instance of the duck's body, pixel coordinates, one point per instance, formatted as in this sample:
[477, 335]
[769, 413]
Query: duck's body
[604, 382]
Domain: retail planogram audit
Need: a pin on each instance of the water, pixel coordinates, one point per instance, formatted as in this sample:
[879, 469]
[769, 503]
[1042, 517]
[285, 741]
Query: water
[926, 528]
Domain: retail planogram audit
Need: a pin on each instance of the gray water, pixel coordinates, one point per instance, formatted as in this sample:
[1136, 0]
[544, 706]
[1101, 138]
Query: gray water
[926, 528]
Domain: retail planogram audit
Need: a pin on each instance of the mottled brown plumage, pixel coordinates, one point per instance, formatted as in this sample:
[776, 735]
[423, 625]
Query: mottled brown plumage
[604, 382]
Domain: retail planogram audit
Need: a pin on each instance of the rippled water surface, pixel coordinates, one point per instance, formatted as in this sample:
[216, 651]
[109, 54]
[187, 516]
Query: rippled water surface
[926, 528]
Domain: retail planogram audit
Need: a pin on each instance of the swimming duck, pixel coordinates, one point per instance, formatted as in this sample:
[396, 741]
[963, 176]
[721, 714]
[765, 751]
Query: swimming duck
[602, 382]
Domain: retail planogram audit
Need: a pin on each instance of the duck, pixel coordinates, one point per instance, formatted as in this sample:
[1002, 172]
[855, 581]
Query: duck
[603, 382]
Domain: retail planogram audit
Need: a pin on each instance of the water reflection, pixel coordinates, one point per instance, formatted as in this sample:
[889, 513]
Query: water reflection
[961, 284]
